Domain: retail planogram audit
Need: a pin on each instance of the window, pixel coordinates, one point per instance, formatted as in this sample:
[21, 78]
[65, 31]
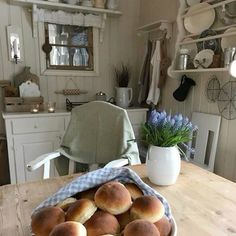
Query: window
[69, 50]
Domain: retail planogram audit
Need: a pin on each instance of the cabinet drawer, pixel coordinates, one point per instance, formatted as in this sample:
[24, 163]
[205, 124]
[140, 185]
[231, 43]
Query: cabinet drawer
[40, 124]
[136, 117]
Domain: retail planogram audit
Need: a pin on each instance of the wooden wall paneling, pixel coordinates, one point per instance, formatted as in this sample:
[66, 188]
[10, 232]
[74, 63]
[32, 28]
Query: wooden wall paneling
[174, 103]
[52, 84]
[189, 103]
[113, 53]
[197, 94]
[5, 21]
[203, 99]
[91, 87]
[31, 46]
[16, 19]
[221, 154]
[230, 162]
[43, 82]
[60, 84]
[102, 81]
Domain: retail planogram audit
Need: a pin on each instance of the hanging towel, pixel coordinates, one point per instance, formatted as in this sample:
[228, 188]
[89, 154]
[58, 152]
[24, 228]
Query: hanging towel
[144, 80]
[154, 91]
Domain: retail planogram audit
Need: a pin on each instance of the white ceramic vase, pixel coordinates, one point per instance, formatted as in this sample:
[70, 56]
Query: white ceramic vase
[123, 96]
[163, 164]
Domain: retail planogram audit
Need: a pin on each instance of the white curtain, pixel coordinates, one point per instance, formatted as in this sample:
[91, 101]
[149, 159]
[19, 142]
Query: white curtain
[65, 18]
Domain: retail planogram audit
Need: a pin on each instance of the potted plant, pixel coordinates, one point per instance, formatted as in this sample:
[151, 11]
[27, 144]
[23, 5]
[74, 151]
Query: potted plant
[164, 133]
[124, 94]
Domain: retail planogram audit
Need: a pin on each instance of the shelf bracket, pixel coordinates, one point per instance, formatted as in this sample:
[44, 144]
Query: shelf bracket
[168, 27]
[162, 25]
[104, 17]
[34, 20]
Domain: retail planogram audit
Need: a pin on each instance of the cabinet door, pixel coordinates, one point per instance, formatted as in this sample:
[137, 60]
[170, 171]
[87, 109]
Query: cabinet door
[27, 147]
[137, 117]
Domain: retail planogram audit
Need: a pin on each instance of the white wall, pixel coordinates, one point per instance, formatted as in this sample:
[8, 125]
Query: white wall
[119, 45]
[225, 164]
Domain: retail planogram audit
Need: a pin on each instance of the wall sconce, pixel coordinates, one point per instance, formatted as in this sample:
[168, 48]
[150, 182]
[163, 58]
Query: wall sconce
[15, 43]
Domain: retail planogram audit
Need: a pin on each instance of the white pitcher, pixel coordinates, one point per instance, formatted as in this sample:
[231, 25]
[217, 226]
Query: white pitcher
[123, 96]
[112, 4]
[100, 3]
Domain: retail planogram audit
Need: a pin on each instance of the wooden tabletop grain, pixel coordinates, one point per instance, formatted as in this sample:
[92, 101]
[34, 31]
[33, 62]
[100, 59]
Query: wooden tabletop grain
[202, 203]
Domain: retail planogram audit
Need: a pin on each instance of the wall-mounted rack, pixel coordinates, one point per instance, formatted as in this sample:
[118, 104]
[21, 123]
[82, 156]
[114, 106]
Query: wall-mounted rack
[33, 5]
[161, 25]
[65, 7]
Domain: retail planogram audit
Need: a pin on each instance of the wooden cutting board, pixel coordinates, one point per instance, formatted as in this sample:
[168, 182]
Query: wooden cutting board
[24, 76]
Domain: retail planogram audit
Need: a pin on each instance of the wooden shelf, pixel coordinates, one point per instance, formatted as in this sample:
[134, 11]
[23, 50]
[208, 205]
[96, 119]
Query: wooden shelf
[201, 70]
[207, 1]
[223, 28]
[209, 38]
[64, 7]
[207, 8]
[160, 25]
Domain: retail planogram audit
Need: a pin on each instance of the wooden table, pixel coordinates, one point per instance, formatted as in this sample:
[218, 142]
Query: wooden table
[203, 204]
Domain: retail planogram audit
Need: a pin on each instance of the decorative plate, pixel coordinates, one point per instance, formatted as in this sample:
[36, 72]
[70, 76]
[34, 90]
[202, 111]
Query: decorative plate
[227, 14]
[192, 2]
[198, 22]
[203, 59]
[212, 44]
[228, 42]
[213, 89]
[227, 100]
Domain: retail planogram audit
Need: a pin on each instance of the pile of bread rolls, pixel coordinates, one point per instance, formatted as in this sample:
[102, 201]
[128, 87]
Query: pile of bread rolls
[110, 209]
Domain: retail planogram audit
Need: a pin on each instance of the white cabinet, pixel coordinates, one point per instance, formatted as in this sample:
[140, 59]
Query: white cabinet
[29, 136]
[137, 116]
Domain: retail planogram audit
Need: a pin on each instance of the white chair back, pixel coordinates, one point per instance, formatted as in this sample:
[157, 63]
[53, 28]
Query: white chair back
[205, 141]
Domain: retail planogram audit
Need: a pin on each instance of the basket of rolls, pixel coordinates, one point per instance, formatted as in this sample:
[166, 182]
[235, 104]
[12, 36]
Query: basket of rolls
[108, 201]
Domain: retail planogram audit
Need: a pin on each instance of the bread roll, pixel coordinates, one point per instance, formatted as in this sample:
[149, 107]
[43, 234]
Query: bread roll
[81, 210]
[102, 223]
[89, 194]
[123, 219]
[69, 228]
[134, 190]
[113, 197]
[141, 228]
[164, 226]
[46, 219]
[148, 208]
[65, 204]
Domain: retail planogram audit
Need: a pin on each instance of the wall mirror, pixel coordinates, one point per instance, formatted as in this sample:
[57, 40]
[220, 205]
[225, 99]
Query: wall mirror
[68, 50]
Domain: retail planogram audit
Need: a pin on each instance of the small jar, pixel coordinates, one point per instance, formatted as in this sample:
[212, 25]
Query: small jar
[34, 108]
[101, 96]
[184, 59]
[51, 107]
[229, 55]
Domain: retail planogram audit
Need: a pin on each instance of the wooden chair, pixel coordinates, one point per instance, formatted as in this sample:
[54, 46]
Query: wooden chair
[98, 132]
[205, 140]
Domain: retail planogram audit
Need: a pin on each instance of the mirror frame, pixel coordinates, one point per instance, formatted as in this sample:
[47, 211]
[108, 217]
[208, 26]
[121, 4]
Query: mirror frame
[46, 71]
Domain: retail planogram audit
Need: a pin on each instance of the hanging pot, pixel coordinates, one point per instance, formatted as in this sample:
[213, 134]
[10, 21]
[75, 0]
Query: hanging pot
[163, 164]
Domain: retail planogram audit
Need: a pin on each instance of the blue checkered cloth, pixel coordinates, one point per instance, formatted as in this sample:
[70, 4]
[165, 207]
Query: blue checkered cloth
[99, 177]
